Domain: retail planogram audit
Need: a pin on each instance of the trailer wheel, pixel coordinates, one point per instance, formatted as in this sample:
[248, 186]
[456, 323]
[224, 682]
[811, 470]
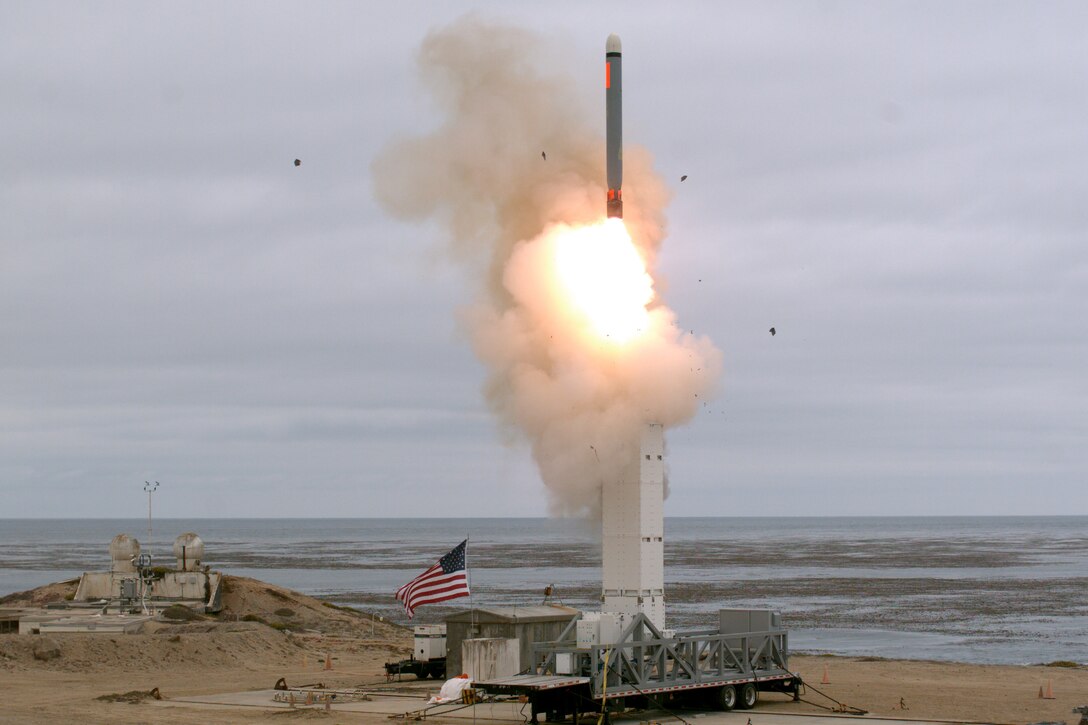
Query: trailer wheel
[727, 697]
[748, 696]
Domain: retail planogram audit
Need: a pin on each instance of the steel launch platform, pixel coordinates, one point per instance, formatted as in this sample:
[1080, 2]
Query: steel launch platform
[730, 665]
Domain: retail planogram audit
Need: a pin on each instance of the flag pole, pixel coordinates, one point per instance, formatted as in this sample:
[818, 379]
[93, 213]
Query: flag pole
[468, 575]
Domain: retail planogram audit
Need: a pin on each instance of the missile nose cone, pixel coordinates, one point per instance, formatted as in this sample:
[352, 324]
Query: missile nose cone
[612, 45]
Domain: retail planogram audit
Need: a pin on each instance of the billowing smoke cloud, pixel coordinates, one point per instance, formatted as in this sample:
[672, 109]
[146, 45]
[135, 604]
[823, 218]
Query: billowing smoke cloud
[578, 398]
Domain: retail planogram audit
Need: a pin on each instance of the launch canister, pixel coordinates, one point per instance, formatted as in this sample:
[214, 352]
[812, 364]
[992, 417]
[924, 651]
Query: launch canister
[613, 102]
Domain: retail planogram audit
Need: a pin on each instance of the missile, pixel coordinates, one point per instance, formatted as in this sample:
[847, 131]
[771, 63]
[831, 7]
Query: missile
[613, 108]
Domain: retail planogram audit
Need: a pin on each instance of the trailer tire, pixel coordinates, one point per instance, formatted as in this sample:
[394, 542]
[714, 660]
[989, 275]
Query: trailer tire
[727, 697]
[747, 697]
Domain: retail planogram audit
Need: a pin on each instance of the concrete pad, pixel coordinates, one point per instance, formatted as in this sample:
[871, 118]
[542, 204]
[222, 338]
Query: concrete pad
[94, 623]
[514, 713]
[31, 623]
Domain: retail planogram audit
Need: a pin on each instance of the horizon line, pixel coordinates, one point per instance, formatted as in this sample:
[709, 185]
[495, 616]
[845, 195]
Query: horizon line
[525, 518]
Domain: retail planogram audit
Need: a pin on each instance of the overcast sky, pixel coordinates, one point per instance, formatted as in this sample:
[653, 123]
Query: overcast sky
[899, 189]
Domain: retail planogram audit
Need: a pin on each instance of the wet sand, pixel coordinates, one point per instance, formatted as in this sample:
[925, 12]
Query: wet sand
[994, 590]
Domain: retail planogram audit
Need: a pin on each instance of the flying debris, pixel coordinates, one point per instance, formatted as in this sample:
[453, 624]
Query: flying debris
[771, 331]
[613, 110]
[298, 162]
[683, 178]
[544, 155]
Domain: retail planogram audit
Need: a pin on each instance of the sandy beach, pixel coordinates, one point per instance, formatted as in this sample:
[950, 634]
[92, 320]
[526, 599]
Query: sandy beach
[290, 635]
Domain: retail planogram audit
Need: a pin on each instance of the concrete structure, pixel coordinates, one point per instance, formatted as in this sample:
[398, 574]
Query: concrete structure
[195, 589]
[31, 620]
[486, 659]
[93, 623]
[9, 620]
[528, 625]
[633, 534]
[49, 621]
[192, 584]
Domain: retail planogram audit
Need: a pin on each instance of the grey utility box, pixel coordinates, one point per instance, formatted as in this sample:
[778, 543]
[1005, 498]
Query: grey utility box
[748, 620]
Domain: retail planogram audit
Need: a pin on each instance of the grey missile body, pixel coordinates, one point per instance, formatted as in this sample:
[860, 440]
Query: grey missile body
[613, 105]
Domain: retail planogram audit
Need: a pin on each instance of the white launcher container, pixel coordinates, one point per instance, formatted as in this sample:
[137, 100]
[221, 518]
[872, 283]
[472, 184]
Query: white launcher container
[633, 533]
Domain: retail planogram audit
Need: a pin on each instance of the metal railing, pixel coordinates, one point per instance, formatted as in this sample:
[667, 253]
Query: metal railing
[643, 658]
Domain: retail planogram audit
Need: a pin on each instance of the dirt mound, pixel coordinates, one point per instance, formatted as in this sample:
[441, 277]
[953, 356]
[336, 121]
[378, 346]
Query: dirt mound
[181, 613]
[46, 648]
[48, 594]
[280, 608]
[194, 646]
[260, 622]
[132, 697]
[246, 599]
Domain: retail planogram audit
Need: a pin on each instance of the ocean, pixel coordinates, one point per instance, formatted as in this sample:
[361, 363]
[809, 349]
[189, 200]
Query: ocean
[1010, 590]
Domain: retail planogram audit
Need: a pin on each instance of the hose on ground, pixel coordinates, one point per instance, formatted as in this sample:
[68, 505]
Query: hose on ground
[842, 706]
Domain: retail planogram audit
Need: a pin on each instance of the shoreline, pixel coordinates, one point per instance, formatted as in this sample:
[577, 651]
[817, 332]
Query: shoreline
[986, 590]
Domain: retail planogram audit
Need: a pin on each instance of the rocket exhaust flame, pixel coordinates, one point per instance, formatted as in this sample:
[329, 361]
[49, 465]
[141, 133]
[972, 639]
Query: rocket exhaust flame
[602, 276]
[581, 351]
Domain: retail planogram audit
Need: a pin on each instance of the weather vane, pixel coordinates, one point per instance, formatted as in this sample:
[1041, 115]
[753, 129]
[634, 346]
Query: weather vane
[150, 488]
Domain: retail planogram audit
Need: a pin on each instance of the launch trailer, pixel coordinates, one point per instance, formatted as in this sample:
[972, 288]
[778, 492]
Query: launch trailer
[643, 667]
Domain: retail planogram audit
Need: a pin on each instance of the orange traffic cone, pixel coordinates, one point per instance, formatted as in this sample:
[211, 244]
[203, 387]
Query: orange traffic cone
[1049, 691]
[328, 661]
[825, 680]
[309, 698]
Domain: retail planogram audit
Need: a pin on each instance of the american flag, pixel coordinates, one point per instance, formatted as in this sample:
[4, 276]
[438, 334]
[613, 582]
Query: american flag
[447, 579]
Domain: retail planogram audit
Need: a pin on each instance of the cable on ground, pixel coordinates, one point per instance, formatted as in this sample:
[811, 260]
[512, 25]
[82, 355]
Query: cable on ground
[842, 706]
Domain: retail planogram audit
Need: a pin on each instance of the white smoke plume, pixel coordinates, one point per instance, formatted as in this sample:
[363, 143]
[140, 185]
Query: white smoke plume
[580, 400]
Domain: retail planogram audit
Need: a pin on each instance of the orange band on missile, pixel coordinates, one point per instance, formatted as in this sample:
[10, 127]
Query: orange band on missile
[607, 74]
[611, 194]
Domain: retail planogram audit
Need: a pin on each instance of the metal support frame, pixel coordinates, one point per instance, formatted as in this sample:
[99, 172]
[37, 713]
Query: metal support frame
[644, 660]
